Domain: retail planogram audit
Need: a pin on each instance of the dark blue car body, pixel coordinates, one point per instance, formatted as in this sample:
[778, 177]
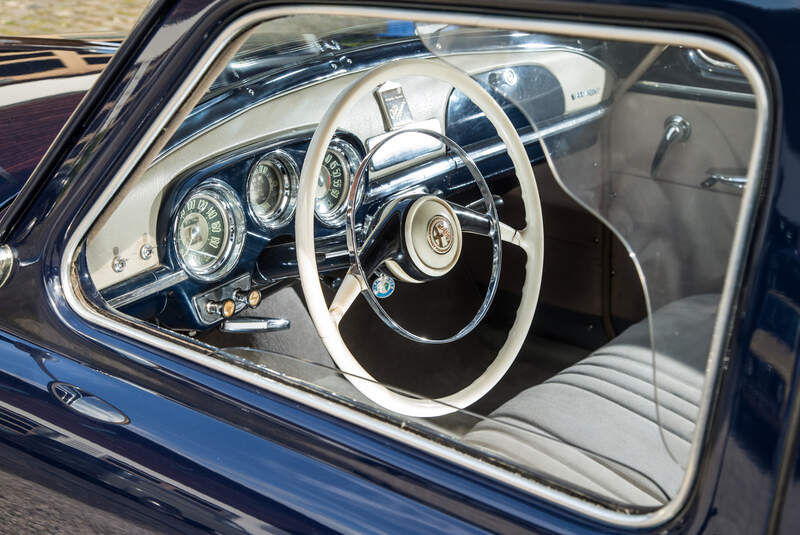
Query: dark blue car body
[204, 453]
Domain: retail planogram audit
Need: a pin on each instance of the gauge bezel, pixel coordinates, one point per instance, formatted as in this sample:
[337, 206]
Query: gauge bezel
[227, 198]
[289, 175]
[350, 156]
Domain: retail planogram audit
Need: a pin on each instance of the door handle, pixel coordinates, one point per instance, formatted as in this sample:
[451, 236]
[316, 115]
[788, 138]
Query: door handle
[676, 129]
[731, 177]
[86, 404]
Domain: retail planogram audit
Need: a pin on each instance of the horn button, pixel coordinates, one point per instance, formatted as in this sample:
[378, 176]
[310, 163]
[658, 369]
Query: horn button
[432, 236]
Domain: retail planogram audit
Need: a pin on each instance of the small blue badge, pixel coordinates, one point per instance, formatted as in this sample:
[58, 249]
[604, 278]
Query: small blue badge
[383, 286]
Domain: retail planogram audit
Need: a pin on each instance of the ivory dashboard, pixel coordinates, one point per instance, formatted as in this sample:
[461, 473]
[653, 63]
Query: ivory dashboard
[217, 205]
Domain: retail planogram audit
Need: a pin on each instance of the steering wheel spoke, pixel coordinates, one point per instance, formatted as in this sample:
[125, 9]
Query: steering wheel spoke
[384, 240]
[475, 222]
[511, 235]
[351, 286]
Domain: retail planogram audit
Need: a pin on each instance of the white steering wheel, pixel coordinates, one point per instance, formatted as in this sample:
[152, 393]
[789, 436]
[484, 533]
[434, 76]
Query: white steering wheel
[530, 239]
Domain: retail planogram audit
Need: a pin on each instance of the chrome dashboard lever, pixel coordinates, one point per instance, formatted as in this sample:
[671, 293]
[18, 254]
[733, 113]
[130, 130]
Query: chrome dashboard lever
[676, 129]
[254, 325]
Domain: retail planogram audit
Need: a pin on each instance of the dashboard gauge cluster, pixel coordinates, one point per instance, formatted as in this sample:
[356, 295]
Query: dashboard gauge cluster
[209, 226]
[273, 180]
[272, 189]
[208, 231]
[219, 220]
[333, 185]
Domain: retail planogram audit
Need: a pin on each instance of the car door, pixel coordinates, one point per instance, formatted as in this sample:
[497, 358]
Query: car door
[119, 435]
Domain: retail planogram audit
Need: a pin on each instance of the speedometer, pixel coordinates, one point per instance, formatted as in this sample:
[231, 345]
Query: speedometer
[208, 231]
[333, 184]
[272, 189]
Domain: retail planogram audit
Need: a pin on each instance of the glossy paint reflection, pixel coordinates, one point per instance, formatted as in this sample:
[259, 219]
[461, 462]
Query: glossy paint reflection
[204, 457]
[187, 464]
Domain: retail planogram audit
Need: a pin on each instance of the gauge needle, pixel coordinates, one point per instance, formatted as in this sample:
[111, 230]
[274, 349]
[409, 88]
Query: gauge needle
[198, 251]
[323, 184]
[194, 235]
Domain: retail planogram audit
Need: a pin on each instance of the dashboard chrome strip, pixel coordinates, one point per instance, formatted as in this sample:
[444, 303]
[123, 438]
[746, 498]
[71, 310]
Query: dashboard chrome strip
[540, 134]
[145, 290]
[447, 163]
[413, 146]
[137, 330]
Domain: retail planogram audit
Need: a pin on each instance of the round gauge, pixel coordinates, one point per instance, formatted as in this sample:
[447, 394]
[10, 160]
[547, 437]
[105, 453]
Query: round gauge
[208, 231]
[272, 189]
[333, 185]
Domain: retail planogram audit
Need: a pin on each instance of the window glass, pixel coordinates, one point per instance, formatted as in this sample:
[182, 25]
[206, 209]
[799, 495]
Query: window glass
[514, 242]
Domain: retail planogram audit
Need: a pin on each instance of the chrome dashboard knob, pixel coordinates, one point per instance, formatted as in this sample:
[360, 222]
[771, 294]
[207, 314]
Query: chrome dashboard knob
[225, 308]
[251, 298]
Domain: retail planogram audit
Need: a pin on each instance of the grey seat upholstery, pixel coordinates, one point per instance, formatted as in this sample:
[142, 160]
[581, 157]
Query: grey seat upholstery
[604, 405]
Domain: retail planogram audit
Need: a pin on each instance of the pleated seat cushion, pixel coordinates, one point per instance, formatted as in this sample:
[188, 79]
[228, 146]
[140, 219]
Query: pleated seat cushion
[603, 406]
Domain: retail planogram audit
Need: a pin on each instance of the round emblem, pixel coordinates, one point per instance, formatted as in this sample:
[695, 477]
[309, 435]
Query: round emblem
[383, 286]
[440, 234]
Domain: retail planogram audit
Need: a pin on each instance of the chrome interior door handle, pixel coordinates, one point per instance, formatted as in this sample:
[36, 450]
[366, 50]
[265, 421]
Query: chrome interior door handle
[731, 177]
[676, 129]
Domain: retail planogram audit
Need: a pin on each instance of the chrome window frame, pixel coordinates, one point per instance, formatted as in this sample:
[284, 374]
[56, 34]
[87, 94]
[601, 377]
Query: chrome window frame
[180, 347]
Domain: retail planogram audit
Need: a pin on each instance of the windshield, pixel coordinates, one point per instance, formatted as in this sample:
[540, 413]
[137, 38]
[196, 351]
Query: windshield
[289, 41]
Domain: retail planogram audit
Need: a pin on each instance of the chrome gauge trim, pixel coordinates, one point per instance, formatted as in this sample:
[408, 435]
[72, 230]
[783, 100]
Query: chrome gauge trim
[132, 328]
[348, 154]
[288, 174]
[224, 195]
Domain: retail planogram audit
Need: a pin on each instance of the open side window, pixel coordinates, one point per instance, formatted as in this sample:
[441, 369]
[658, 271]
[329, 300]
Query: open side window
[520, 242]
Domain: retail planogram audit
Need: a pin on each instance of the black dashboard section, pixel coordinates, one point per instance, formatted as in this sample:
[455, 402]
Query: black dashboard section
[523, 87]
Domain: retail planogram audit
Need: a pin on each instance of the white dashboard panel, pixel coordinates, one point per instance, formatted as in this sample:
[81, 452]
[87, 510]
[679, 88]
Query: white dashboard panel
[131, 219]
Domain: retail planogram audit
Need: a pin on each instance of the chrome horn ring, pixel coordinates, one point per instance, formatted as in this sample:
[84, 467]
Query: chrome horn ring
[494, 234]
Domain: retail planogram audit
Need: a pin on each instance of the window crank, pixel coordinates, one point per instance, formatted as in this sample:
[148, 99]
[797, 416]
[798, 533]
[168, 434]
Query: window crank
[676, 129]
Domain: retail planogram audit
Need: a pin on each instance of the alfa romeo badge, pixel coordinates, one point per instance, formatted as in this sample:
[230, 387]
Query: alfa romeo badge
[383, 286]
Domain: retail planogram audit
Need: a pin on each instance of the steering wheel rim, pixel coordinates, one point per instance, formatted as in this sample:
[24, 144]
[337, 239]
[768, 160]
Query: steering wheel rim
[530, 239]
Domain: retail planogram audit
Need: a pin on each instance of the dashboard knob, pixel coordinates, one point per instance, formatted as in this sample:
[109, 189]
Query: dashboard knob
[254, 298]
[225, 308]
[251, 298]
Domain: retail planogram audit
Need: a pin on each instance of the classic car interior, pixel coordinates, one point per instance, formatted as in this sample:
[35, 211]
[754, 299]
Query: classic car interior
[508, 241]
